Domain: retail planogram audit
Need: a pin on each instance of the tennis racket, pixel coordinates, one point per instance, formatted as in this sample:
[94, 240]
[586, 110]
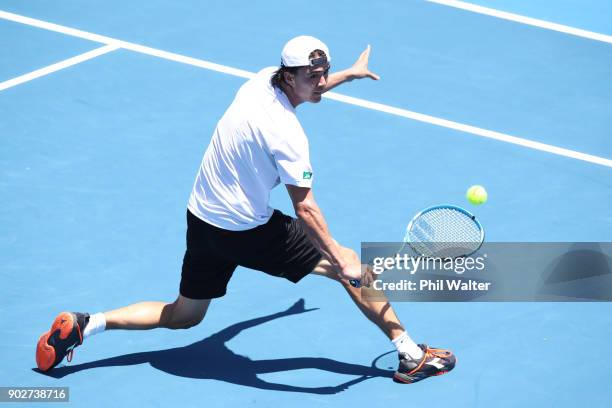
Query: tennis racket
[442, 231]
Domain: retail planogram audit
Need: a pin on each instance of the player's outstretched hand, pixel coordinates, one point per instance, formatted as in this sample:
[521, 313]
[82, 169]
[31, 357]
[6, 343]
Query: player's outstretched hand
[360, 67]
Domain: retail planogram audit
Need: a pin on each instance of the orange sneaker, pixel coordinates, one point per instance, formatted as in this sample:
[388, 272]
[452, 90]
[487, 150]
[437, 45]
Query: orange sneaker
[66, 333]
[434, 362]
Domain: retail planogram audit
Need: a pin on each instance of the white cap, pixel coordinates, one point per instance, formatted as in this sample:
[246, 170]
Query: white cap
[296, 51]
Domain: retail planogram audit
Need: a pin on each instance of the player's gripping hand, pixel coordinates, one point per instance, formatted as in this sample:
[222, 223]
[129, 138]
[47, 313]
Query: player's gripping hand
[367, 275]
[357, 272]
[351, 271]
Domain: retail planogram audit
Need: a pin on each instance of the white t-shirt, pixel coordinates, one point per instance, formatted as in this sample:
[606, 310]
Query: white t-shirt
[257, 144]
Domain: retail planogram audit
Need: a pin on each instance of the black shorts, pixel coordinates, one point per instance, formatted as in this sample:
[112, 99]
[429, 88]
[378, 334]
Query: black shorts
[279, 248]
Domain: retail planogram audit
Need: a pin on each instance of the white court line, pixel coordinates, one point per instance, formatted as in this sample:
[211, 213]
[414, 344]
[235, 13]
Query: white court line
[525, 20]
[57, 66]
[124, 44]
[470, 129]
[331, 95]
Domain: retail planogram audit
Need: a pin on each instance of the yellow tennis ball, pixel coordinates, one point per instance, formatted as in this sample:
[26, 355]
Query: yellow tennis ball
[477, 195]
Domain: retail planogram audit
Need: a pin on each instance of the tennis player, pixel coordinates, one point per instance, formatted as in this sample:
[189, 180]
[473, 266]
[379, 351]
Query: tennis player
[257, 144]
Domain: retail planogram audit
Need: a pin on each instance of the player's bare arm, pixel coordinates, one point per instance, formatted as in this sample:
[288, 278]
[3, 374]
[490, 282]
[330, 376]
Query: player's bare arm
[309, 213]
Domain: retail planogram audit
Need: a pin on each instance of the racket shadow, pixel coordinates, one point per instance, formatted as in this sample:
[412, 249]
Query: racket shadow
[211, 359]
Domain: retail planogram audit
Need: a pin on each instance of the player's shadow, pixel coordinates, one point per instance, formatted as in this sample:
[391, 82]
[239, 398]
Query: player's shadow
[211, 359]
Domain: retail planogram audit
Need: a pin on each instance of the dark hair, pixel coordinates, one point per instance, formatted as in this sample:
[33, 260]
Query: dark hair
[279, 74]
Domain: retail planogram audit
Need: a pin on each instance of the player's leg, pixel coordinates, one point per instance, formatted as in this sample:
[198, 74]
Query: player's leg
[183, 313]
[204, 276]
[380, 313]
[69, 329]
[416, 362]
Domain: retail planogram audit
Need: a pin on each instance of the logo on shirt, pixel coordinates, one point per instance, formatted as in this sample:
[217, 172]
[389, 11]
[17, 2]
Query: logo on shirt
[307, 175]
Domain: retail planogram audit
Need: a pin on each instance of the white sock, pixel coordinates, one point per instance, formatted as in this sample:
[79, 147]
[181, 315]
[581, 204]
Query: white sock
[97, 324]
[404, 344]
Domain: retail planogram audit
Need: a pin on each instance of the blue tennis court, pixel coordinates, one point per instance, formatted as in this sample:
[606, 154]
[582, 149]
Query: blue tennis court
[98, 156]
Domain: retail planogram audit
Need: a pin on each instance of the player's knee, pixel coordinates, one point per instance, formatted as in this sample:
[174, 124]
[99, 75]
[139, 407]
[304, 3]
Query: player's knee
[174, 319]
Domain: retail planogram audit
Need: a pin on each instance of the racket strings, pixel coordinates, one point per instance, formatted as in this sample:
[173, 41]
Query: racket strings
[444, 232]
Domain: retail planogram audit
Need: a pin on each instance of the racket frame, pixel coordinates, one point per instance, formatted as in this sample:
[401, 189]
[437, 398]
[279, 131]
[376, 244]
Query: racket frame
[357, 283]
[437, 207]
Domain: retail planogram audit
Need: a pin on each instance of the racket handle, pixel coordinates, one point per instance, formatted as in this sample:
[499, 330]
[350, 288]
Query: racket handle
[356, 283]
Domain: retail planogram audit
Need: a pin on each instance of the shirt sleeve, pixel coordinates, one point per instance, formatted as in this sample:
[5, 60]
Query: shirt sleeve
[292, 158]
